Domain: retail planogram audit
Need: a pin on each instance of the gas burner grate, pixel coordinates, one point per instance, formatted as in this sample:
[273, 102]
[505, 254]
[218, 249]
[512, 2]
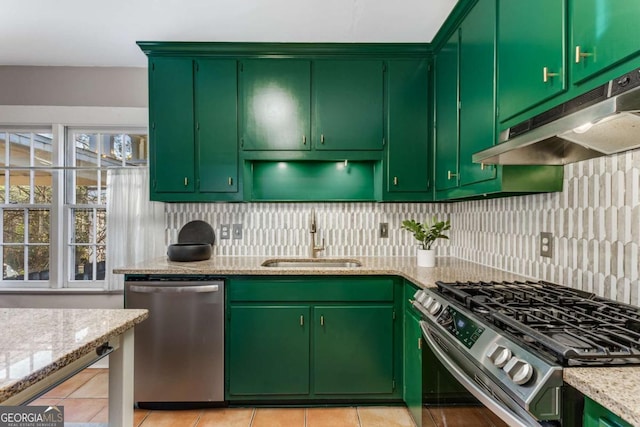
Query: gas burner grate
[575, 327]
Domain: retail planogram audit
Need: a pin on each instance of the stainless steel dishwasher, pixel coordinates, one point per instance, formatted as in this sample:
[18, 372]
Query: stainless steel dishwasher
[179, 349]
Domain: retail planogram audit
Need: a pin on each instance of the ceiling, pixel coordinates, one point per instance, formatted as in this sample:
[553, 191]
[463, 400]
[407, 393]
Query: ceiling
[103, 33]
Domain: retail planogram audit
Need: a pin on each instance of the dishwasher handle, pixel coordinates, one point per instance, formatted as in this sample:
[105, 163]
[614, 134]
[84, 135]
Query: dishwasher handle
[173, 289]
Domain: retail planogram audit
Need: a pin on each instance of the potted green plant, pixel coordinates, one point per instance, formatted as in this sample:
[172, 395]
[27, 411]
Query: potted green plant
[427, 234]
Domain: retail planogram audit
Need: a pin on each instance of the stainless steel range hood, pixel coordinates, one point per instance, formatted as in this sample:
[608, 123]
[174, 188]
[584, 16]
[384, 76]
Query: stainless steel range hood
[604, 121]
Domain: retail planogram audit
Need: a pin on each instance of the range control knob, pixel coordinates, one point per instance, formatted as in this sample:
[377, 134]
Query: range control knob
[518, 370]
[434, 308]
[499, 355]
[427, 302]
[420, 296]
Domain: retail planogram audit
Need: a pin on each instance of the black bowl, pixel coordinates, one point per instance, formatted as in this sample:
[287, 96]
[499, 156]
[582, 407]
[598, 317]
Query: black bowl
[185, 252]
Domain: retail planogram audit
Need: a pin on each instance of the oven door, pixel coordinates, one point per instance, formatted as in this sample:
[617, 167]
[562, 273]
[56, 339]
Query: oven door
[475, 381]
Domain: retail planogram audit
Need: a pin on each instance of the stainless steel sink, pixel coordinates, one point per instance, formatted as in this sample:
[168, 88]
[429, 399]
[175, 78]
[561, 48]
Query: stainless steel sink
[312, 262]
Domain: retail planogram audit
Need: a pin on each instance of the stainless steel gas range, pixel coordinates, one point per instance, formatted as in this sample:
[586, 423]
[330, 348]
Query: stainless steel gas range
[507, 342]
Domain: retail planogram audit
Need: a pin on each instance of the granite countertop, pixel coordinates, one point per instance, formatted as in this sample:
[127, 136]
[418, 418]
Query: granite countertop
[614, 388]
[35, 343]
[448, 269]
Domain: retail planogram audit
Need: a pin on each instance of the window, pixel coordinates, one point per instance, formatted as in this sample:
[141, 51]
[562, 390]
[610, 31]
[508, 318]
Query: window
[43, 187]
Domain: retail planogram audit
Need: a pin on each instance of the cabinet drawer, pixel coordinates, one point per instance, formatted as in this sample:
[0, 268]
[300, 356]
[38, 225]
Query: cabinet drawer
[360, 289]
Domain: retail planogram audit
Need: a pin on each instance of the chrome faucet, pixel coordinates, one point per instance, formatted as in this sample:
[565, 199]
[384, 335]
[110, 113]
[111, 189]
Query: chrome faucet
[313, 249]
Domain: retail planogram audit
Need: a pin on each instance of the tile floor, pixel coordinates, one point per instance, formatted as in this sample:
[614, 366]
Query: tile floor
[85, 401]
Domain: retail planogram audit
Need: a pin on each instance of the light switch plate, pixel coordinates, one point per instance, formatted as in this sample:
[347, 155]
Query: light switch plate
[546, 245]
[237, 231]
[384, 230]
[225, 229]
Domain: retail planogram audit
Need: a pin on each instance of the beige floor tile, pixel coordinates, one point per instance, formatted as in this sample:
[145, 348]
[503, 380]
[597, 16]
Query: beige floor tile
[332, 417]
[96, 387]
[172, 418]
[102, 416]
[42, 401]
[139, 415]
[227, 417]
[459, 416]
[82, 410]
[384, 416]
[72, 384]
[278, 417]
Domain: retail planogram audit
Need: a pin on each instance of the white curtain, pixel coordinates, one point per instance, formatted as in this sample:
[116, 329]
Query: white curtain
[135, 225]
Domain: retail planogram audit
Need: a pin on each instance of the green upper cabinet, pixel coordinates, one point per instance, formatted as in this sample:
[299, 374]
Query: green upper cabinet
[193, 120]
[172, 128]
[531, 54]
[275, 104]
[465, 115]
[477, 90]
[603, 33]
[216, 125]
[407, 126]
[347, 104]
[446, 114]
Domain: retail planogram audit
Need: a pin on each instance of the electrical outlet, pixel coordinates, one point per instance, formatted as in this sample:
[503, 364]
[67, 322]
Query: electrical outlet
[224, 231]
[237, 231]
[384, 230]
[546, 245]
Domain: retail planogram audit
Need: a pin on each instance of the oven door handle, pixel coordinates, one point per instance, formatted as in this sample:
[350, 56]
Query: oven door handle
[510, 417]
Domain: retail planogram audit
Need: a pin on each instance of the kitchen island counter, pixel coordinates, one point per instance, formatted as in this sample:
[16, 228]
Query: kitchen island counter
[41, 347]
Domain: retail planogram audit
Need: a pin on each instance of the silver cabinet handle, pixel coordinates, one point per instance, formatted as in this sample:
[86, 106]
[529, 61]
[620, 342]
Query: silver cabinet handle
[546, 74]
[580, 55]
[301, 320]
[186, 181]
[451, 175]
[395, 180]
[321, 320]
[304, 139]
[173, 289]
[230, 181]
[322, 138]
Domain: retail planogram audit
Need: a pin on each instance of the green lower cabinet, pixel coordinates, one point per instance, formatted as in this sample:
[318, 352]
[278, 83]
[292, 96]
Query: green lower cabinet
[269, 346]
[294, 339]
[353, 349]
[412, 376]
[596, 415]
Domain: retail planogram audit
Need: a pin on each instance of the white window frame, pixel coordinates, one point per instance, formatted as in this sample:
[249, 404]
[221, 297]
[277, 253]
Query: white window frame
[58, 118]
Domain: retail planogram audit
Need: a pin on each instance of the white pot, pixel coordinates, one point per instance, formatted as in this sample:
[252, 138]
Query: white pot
[426, 258]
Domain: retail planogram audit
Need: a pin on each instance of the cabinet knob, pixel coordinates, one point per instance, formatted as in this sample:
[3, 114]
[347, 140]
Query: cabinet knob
[230, 181]
[395, 180]
[186, 181]
[580, 55]
[546, 74]
[451, 175]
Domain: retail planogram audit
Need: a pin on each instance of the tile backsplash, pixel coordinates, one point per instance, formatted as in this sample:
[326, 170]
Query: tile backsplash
[595, 223]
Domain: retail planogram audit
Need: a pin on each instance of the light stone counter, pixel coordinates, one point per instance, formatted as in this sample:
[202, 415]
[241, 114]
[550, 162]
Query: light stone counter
[39, 347]
[615, 388]
[447, 269]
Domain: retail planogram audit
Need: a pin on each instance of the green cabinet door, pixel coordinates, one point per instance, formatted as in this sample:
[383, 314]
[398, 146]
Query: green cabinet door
[531, 38]
[413, 366]
[596, 415]
[408, 126]
[603, 33]
[275, 104]
[353, 349]
[477, 90]
[269, 350]
[216, 125]
[347, 104]
[171, 122]
[446, 115]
